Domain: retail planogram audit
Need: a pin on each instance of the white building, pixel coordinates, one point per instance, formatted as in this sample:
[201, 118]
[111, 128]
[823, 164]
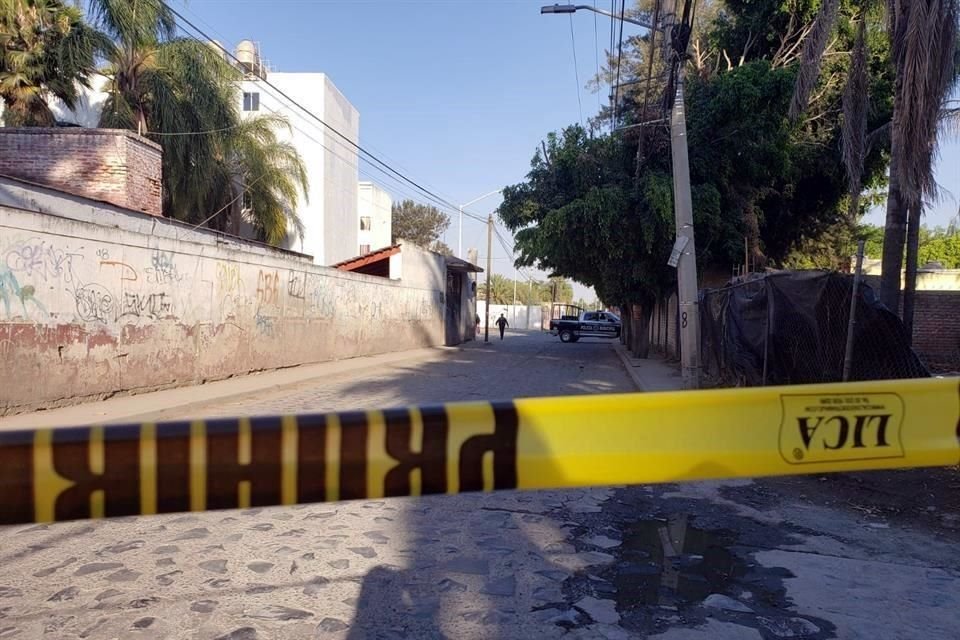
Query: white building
[375, 207]
[329, 213]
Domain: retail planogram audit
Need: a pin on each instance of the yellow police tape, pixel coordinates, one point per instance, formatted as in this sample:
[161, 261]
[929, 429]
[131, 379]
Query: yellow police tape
[91, 472]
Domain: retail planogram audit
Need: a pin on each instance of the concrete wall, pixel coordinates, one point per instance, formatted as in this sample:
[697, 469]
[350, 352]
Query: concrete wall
[106, 301]
[376, 204]
[519, 316]
[112, 165]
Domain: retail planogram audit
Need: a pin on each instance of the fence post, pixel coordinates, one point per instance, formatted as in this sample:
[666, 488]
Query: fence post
[766, 335]
[848, 355]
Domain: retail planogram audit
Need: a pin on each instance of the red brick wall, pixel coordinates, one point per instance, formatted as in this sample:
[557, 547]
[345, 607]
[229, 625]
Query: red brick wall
[936, 329]
[111, 165]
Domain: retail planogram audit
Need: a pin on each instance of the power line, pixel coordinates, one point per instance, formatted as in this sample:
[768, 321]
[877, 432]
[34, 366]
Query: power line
[334, 130]
[616, 98]
[224, 39]
[576, 69]
[596, 51]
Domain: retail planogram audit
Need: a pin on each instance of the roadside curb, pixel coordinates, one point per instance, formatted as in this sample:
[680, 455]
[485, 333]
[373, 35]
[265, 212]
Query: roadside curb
[627, 361]
[149, 405]
[649, 375]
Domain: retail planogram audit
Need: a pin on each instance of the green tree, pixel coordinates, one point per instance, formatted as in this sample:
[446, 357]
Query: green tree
[923, 39]
[599, 209]
[420, 224]
[217, 167]
[46, 49]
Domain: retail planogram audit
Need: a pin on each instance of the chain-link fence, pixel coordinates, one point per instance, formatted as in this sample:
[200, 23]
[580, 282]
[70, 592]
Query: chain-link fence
[790, 327]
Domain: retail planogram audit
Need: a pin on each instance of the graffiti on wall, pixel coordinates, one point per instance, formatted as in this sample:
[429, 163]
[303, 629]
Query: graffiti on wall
[163, 268]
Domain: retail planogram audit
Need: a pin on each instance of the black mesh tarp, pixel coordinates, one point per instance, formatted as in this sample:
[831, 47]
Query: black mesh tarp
[795, 322]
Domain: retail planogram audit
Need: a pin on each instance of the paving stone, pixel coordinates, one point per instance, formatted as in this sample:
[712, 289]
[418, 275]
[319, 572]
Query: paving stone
[166, 579]
[278, 612]
[366, 552]
[505, 586]
[603, 542]
[604, 611]
[315, 585]
[789, 627]
[143, 623]
[64, 594]
[332, 625]
[167, 548]
[124, 575]
[725, 603]
[203, 606]
[476, 566]
[194, 534]
[339, 564]
[260, 567]
[214, 566]
[122, 547]
[243, 633]
[95, 567]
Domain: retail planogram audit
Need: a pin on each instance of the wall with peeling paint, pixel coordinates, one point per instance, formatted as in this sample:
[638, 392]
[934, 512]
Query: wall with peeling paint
[108, 301]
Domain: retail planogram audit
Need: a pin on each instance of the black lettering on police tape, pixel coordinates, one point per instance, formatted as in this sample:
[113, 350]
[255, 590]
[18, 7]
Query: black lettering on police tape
[808, 427]
[312, 458]
[502, 444]
[431, 460]
[263, 473]
[173, 467]
[353, 455]
[119, 481]
[116, 472]
[16, 477]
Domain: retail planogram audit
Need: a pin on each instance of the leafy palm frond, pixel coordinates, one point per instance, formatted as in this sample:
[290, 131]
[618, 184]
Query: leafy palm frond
[811, 58]
[855, 101]
[46, 49]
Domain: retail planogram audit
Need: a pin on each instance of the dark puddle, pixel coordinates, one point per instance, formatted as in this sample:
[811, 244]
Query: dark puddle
[671, 563]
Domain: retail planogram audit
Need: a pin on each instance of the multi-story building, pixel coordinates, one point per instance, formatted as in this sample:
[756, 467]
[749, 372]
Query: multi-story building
[329, 214]
[375, 208]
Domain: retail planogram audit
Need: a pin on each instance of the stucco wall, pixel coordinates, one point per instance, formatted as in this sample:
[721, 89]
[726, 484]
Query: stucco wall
[115, 302]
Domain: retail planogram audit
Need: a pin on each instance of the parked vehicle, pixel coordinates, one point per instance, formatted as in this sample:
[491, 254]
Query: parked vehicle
[589, 324]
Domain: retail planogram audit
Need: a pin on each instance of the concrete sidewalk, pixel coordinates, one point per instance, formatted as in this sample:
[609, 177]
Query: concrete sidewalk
[123, 408]
[651, 374]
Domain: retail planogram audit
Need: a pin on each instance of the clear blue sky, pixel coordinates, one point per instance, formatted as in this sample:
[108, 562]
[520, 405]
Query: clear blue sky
[455, 93]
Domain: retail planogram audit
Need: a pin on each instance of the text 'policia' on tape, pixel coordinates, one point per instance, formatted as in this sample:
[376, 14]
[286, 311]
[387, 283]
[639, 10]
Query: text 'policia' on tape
[91, 472]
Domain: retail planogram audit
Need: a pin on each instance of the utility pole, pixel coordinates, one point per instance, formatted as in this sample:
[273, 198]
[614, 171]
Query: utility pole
[486, 322]
[684, 257]
[687, 264]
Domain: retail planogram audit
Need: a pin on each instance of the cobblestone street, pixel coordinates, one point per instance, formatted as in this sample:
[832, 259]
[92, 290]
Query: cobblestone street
[704, 561]
[465, 566]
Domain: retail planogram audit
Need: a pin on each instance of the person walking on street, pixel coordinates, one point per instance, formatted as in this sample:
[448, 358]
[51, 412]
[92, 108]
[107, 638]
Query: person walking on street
[503, 324]
[477, 320]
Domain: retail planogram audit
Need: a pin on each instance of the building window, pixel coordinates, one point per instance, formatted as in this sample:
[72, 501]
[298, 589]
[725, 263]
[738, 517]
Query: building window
[364, 223]
[364, 249]
[251, 101]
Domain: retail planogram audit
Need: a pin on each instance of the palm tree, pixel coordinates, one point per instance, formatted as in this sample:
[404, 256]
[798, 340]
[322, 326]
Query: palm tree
[923, 35]
[46, 49]
[217, 167]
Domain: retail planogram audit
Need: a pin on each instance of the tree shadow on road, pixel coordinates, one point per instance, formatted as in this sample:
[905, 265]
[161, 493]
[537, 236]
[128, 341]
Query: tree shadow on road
[483, 565]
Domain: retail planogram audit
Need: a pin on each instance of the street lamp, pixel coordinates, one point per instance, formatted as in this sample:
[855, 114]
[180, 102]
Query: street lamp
[684, 256]
[573, 8]
[460, 232]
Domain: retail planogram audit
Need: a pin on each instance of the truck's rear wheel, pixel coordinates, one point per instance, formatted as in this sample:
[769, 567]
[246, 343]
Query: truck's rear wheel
[566, 336]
